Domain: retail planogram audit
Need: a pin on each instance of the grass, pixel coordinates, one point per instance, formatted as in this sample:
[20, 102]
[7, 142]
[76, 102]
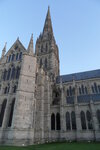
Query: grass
[57, 146]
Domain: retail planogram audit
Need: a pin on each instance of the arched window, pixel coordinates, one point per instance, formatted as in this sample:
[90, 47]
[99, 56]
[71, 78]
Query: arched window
[98, 117]
[5, 90]
[89, 120]
[13, 73]
[11, 113]
[99, 88]
[86, 92]
[82, 89]
[9, 73]
[67, 92]
[68, 126]
[9, 58]
[17, 56]
[41, 48]
[95, 88]
[20, 56]
[46, 47]
[5, 75]
[14, 89]
[70, 91]
[2, 112]
[53, 121]
[73, 120]
[57, 121]
[40, 62]
[45, 62]
[13, 56]
[17, 72]
[83, 120]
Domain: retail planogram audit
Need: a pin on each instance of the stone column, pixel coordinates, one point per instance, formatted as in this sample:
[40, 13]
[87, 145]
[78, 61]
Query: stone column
[94, 119]
[62, 115]
[78, 119]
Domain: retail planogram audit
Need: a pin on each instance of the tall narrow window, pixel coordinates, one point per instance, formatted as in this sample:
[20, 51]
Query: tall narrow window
[17, 72]
[89, 120]
[99, 88]
[73, 120]
[95, 87]
[13, 57]
[45, 62]
[82, 89]
[67, 92]
[20, 56]
[5, 90]
[40, 62]
[11, 113]
[2, 112]
[86, 91]
[98, 117]
[17, 55]
[9, 58]
[68, 126]
[14, 89]
[53, 121]
[83, 120]
[46, 47]
[9, 73]
[13, 73]
[70, 91]
[58, 121]
[5, 75]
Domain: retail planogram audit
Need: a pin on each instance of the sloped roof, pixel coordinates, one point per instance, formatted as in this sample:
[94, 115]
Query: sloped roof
[79, 76]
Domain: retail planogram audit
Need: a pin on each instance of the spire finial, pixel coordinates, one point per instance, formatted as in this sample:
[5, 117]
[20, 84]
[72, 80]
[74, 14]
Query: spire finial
[30, 46]
[4, 50]
[48, 22]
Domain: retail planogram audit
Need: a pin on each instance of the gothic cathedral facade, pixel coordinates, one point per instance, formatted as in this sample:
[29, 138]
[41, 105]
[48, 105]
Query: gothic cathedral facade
[37, 104]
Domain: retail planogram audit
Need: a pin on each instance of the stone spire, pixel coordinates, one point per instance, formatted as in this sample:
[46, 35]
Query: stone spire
[4, 50]
[48, 23]
[30, 46]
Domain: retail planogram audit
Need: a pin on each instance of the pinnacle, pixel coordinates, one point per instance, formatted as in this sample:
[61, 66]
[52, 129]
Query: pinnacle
[4, 50]
[30, 46]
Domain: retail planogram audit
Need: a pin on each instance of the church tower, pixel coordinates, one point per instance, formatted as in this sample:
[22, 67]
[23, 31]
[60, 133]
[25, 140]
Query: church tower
[47, 50]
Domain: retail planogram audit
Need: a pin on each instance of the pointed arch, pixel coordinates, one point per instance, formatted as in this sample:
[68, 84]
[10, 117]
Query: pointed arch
[17, 72]
[83, 120]
[98, 117]
[53, 121]
[9, 74]
[11, 113]
[13, 73]
[17, 56]
[89, 120]
[58, 121]
[40, 62]
[5, 75]
[68, 126]
[13, 57]
[20, 56]
[73, 120]
[2, 111]
[45, 62]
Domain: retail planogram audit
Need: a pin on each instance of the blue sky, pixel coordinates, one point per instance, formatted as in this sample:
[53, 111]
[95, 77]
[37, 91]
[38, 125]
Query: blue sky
[76, 26]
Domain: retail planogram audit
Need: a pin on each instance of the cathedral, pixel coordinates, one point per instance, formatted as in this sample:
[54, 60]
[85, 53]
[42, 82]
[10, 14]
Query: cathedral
[37, 104]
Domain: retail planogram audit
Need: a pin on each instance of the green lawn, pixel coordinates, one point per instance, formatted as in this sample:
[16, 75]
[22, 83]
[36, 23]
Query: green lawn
[57, 146]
